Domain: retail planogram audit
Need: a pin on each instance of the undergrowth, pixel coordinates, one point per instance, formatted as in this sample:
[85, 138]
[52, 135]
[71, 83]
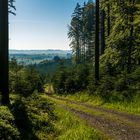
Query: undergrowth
[72, 128]
[8, 129]
[132, 106]
[29, 118]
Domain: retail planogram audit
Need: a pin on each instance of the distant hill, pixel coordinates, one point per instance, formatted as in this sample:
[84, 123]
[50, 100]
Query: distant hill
[50, 67]
[28, 57]
[39, 51]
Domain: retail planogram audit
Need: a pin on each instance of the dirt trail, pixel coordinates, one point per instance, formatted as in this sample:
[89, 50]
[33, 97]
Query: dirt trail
[118, 130]
[129, 117]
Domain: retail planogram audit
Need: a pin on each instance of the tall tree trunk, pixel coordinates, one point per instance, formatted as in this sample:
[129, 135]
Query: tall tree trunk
[129, 67]
[97, 44]
[102, 31]
[78, 52]
[84, 49]
[4, 39]
[108, 18]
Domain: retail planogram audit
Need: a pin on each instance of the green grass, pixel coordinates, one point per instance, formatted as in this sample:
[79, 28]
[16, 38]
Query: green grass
[72, 128]
[94, 112]
[126, 106]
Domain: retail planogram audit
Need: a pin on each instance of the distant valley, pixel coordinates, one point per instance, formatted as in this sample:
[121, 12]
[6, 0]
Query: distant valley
[27, 57]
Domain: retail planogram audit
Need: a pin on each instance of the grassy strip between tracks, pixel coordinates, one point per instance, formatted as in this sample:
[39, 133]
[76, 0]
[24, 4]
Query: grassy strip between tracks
[72, 128]
[106, 115]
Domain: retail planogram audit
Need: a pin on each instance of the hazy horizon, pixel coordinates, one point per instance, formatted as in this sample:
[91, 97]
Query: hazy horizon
[40, 49]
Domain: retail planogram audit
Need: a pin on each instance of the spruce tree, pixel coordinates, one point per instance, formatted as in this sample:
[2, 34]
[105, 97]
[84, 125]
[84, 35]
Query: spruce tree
[90, 29]
[74, 32]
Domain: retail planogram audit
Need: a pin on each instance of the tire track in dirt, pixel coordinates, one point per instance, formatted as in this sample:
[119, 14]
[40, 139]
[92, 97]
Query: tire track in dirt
[114, 129]
[135, 119]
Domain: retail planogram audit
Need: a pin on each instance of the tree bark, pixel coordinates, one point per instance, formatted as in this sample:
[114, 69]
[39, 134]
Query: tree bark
[97, 44]
[4, 43]
[102, 31]
[78, 52]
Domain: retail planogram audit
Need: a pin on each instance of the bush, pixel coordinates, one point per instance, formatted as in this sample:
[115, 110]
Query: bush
[71, 80]
[8, 130]
[34, 117]
[105, 87]
[122, 82]
[40, 115]
[24, 80]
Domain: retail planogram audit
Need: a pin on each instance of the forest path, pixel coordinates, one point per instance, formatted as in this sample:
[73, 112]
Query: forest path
[117, 125]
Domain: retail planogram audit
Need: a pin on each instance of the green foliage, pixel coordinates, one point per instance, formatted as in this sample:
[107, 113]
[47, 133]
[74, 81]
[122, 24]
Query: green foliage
[119, 87]
[40, 115]
[116, 87]
[59, 79]
[71, 80]
[8, 130]
[81, 32]
[72, 128]
[132, 106]
[24, 80]
[34, 117]
[48, 67]
[105, 87]
[122, 47]
[119, 65]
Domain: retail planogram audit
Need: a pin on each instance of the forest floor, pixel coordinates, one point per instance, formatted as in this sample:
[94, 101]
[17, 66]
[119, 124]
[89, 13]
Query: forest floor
[114, 124]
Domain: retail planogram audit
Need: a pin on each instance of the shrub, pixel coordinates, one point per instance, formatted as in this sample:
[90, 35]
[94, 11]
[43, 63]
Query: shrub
[34, 117]
[105, 87]
[8, 130]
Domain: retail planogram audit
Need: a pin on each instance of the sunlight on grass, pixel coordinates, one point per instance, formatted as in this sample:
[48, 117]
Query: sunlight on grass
[130, 107]
[72, 128]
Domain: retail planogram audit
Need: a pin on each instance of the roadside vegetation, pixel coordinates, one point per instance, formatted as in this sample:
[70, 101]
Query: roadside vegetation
[112, 78]
[71, 127]
[27, 118]
[132, 106]
[116, 92]
[31, 115]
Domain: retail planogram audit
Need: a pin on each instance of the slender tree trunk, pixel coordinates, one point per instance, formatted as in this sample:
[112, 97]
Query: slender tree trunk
[129, 67]
[108, 19]
[84, 51]
[4, 39]
[102, 31]
[97, 44]
[78, 52]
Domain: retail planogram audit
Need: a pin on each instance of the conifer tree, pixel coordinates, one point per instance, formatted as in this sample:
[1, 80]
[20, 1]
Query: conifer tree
[75, 32]
[90, 30]
[82, 32]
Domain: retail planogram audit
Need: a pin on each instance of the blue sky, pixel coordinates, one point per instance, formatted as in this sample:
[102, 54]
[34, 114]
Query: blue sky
[41, 24]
